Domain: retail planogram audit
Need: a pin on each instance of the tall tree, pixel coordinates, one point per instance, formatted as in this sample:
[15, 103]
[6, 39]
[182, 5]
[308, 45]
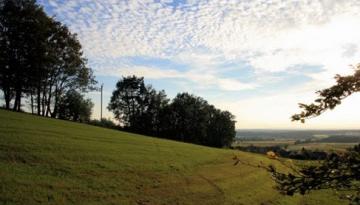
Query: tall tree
[40, 57]
[20, 23]
[68, 68]
[149, 120]
[188, 117]
[128, 100]
[221, 128]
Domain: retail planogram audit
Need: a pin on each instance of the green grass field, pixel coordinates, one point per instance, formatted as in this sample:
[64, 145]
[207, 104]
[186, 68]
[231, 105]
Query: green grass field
[47, 161]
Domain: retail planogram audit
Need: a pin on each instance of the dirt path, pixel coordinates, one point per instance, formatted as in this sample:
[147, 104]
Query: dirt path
[216, 187]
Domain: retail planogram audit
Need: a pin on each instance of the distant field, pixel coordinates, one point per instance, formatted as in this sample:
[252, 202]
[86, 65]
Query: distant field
[264, 143]
[336, 147]
[290, 145]
[46, 161]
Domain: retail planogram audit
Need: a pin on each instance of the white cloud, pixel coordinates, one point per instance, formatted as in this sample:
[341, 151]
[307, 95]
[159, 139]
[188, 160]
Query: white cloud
[205, 80]
[270, 36]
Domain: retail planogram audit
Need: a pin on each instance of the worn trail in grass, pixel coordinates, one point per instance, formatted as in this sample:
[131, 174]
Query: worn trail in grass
[47, 161]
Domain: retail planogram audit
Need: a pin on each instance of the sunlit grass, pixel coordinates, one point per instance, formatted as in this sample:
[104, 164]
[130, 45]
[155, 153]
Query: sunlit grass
[47, 161]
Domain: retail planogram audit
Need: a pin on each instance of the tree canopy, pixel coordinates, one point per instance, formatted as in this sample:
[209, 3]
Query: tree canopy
[73, 106]
[188, 118]
[40, 59]
[330, 97]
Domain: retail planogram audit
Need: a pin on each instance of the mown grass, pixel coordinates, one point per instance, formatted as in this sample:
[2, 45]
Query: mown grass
[47, 161]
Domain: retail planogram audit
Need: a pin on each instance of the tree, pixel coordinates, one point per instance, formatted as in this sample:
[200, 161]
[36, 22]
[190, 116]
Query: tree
[39, 57]
[339, 172]
[20, 23]
[128, 100]
[220, 128]
[331, 97]
[149, 121]
[68, 69]
[188, 118]
[73, 106]
[137, 106]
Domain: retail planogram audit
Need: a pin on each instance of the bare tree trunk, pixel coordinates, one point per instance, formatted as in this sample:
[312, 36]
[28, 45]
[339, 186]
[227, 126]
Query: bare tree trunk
[48, 103]
[38, 99]
[56, 101]
[32, 102]
[43, 103]
[7, 103]
[17, 103]
[7, 96]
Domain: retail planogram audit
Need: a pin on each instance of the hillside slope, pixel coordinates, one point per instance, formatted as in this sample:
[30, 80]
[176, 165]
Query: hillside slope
[47, 161]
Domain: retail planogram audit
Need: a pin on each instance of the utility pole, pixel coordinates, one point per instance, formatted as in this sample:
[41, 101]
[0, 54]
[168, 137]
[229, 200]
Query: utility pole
[101, 113]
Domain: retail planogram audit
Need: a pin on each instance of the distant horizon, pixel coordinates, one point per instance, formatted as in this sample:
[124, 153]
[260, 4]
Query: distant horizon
[275, 129]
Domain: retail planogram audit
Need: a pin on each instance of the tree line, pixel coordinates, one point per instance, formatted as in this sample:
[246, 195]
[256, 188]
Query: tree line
[282, 151]
[188, 118]
[43, 67]
[42, 62]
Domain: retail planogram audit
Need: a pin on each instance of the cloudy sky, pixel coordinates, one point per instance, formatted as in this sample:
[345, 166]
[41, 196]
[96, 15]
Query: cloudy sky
[257, 58]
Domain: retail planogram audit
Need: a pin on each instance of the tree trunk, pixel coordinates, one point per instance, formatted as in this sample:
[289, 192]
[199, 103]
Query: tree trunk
[48, 103]
[7, 96]
[17, 103]
[55, 110]
[38, 99]
[43, 103]
[7, 103]
[32, 102]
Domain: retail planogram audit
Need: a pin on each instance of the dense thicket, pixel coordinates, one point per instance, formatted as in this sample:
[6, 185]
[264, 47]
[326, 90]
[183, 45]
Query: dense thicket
[188, 118]
[40, 59]
[73, 106]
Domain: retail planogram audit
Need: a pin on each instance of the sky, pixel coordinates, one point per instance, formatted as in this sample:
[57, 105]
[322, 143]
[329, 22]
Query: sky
[257, 59]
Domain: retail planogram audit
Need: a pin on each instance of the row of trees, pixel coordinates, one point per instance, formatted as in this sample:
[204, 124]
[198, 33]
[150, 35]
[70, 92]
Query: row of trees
[281, 151]
[188, 118]
[40, 61]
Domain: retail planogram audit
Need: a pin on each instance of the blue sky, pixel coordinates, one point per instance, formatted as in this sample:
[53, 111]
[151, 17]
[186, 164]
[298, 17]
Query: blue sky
[257, 59]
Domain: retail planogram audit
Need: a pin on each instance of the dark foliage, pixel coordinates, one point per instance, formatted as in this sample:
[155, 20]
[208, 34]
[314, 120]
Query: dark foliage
[331, 97]
[302, 154]
[73, 106]
[40, 59]
[338, 172]
[107, 123]
[188, 118]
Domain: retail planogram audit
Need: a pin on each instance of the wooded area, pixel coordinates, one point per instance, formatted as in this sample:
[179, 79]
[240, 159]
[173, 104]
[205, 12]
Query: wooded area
[187, 118]
[41, 61]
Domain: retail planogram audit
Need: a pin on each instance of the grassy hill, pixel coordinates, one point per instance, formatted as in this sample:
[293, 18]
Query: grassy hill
[47, 161]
